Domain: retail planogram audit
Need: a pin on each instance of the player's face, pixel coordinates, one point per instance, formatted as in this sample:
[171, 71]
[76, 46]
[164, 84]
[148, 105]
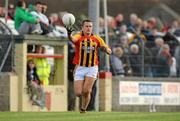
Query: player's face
[87, 28]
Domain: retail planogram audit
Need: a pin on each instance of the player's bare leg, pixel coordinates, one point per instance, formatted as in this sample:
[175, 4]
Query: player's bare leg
[78, 87]
[86, 92]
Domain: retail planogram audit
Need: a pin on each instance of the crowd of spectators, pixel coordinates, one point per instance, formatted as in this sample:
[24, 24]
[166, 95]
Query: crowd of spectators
[143, 47]
[32, 19]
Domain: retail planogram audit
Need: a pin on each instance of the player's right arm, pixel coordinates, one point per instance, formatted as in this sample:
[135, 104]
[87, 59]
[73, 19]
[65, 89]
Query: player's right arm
[74, 38]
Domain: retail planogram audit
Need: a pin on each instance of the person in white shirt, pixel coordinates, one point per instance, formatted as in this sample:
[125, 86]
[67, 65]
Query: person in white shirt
[38, 13]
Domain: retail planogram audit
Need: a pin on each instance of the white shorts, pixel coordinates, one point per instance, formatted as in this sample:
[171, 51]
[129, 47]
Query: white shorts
[81, 72]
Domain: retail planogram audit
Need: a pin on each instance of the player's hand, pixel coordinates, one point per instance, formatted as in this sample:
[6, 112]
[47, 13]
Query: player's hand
[69, 30]
[108, 51]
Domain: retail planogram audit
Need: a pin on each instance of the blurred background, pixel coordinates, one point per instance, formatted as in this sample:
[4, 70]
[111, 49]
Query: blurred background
[144, 36]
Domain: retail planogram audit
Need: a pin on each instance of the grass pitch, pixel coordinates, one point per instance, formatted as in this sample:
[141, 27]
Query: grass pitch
[89, 116]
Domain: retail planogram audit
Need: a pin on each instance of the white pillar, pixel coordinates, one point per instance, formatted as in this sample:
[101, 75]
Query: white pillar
[94, 16]
[106, 33]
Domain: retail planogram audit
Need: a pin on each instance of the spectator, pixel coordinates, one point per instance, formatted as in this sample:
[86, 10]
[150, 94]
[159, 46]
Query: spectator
[111, 25]
[164, 60]
[25, 23]
[140, 61]
[44, 7]
[173, 71]
[119, 21]
[101, 26]
[147, 62]
[55, 26]
[174, 27]
[34, 83]
[44, 22]
[116, 66]
[11, 12]
[172, 41]
[42, 65]
[177, 57]
[123, 41]
[2, 12]
[38, 13]
[159, 42]
[124, 57]
[137, 38]
[121, 30]
[133, 20]
[152, 23]
[135, 60]
[151, 36]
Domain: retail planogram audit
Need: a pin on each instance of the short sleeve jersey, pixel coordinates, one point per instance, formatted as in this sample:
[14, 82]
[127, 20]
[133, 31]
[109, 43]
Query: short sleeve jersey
[86, 49]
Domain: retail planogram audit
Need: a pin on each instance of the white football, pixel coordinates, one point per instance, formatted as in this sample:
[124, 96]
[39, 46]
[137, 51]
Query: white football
[68, 19]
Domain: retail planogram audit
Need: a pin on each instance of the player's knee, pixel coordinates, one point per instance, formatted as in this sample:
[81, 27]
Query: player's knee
[86, 92]
[78, 94]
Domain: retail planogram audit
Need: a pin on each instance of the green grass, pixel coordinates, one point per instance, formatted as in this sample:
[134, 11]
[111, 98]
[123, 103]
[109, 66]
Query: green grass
[89, 116]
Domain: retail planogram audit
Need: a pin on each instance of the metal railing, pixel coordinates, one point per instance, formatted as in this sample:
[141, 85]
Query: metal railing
[6, 49]
[144, 64]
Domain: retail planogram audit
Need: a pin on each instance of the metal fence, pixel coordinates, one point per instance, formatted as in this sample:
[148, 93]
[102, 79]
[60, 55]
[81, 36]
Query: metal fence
[144, 58]
[147, 62]
[6, 49]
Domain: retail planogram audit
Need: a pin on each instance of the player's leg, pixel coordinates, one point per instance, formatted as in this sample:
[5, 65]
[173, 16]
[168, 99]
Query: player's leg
[88, 84]
[86, 94]
[78, 80]
[78, 86]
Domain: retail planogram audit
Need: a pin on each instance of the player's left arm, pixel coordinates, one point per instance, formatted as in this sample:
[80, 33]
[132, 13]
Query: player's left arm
[103, 45]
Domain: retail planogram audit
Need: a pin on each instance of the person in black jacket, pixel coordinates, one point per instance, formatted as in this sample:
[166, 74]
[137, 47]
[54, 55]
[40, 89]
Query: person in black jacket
[34, 83]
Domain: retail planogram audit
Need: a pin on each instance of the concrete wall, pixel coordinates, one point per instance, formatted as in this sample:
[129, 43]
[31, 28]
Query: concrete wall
[105, 91]
[8, 92]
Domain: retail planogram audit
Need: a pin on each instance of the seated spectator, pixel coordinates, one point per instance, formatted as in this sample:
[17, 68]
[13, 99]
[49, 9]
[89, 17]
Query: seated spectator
[11, 11]
[44, 8]
[44, 22]
[34, 84]
[56, 26]
[25, 23]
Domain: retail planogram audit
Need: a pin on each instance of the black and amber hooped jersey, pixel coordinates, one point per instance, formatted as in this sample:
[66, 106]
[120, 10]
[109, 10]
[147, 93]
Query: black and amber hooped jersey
[86, 51]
